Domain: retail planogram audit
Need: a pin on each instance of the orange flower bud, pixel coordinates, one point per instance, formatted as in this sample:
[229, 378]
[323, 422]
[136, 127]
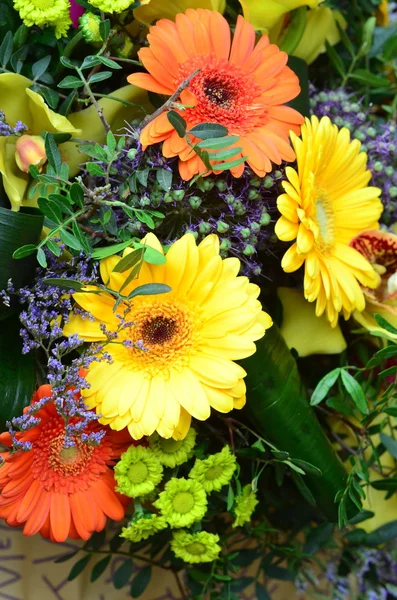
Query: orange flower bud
[30, 150]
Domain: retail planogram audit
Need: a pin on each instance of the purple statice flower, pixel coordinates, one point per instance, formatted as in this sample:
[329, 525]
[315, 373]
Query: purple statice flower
[378, 138]
[239, 211]
[6, 129]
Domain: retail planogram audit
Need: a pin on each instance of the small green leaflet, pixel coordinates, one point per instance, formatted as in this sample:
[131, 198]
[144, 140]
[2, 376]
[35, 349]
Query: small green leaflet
[355, 390]
[385, 324]
[324, 386]
[178, 123]
[208, 130]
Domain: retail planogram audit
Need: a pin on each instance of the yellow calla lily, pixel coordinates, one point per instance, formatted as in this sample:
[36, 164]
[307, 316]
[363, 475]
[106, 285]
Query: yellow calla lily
[158, 9]
[265, 15]
[19, 103]
[305, 332]
[321, 26]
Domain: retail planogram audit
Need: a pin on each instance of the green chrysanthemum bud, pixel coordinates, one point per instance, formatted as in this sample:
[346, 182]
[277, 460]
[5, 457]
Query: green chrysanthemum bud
[89, 27]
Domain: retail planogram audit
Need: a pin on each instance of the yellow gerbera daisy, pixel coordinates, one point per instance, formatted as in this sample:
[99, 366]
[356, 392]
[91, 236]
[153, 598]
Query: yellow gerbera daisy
[327, 202]
[191, 336]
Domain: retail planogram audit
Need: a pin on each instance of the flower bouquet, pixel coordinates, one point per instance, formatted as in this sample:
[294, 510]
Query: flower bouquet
[198, 259]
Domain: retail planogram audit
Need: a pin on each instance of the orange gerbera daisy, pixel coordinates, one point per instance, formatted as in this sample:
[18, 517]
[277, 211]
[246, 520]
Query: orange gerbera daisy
[239, 85]
[60, 492]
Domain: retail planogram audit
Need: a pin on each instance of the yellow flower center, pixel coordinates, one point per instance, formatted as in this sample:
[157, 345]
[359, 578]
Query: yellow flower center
[69, 455]
[196, 548]
[213, 473]
[183, 502]
[138, 472]
[324, 218]
[170, 446]
[168, 331]
[42, 4]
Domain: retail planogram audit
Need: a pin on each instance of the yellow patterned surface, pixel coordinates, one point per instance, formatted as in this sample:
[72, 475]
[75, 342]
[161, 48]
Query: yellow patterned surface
[28, 572]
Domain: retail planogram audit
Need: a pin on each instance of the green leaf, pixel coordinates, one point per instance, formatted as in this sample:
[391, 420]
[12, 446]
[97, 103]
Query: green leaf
[24, 251]
[324, 386]
[140, 582]
[178, 123]
[18, 229]
[50, 209]
[381, 356]
[77, 194]
[224, 154]
[41, 257]
[70, 240]
[100, 76]
[208, 130]
[383, 534]
[230, 498]
[387, 372]
[79, 567]
[95, 169]
[111, 141]
[307, 467]
[368, 32]
[104, 29]
[63, 283]
[390, 444]
[108, 62]
[66, 62]
[317, 538]
[65, 557]
[355, 390]
[261, 593]
[99, 568]
[302, 487]
[40, 67]
[345, 40]
[391, 410]
[279, 411]
[150, 289]
[335, 59]
[70, 82]
[218, 143]
[164, 178]
[17, 372]
[52, 152]
[365, 76]
[388, 483]
[100, 253]
[6, 49]
[361, 516]
[128, 261]
[151, 255]
[229, 164]
[385, 324]
[51, 97]
[123, 574]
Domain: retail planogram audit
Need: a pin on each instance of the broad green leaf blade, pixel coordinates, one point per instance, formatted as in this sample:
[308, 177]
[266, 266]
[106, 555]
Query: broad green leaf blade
[390, 444]
[301, 102]
[18, 229]
[17, 372]
[278, 409]
[178, 123]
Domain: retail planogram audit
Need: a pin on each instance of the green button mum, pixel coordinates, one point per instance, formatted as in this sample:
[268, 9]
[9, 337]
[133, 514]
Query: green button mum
[182, 502]
[138, 472]
[245, 506]
[195, 547]
[143, 526]
[215, 471]
[172, 452]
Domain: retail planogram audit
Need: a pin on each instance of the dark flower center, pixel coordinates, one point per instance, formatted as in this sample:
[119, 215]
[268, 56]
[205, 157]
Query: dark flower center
[159, 330]
[219, 92]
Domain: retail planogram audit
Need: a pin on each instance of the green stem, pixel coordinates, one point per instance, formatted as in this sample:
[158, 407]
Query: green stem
[53, 232]
[93, 100]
